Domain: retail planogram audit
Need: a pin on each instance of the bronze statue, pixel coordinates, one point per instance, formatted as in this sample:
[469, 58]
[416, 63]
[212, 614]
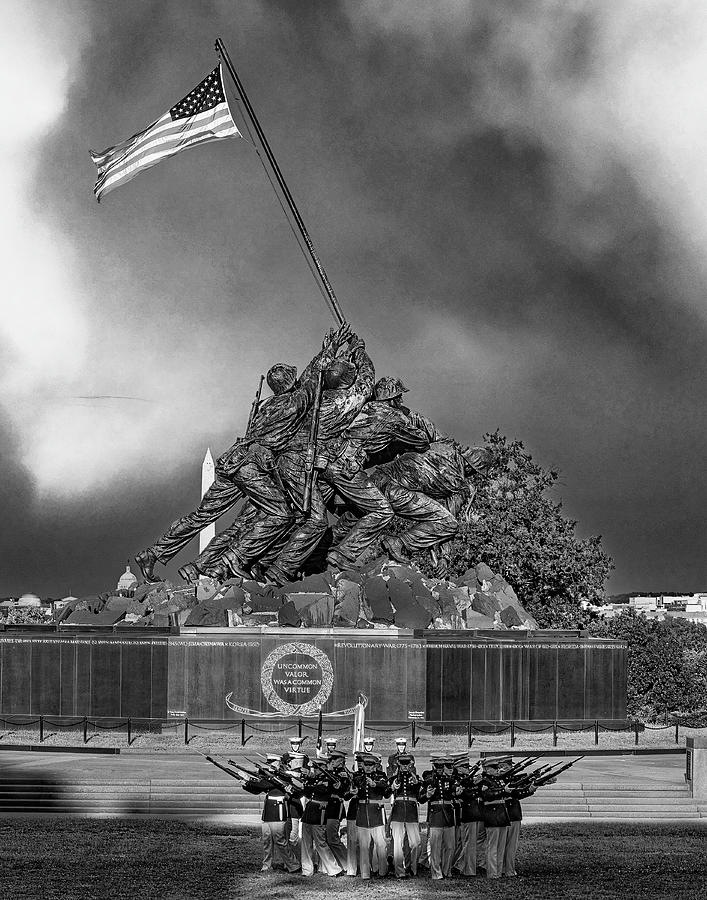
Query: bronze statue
[371, 456]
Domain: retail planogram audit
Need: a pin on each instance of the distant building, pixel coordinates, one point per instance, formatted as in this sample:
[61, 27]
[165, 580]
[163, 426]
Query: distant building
[692, 607]
[126, 583]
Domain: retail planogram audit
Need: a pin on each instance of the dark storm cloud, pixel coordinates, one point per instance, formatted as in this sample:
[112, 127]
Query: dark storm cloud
[498, 249]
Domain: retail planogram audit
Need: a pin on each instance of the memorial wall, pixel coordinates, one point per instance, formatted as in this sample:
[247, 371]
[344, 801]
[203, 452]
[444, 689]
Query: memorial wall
[229, 673]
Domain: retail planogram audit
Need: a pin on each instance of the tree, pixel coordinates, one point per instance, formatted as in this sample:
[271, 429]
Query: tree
[522, 534]
[667, 665]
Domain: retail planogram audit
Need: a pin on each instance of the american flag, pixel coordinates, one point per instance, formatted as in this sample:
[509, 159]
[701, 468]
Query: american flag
[202, 116]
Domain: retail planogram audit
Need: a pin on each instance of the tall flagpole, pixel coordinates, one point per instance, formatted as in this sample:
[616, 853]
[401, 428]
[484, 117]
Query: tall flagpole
[336, 309]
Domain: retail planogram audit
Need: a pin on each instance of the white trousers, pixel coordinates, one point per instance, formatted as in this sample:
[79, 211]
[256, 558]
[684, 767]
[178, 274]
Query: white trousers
[441, 850]
[314, 839]
[333, 839]
[351, 847]
[495, 848]
[465, 855]
[276, 847]
[509, 857]
[400, 831]
[380, 858]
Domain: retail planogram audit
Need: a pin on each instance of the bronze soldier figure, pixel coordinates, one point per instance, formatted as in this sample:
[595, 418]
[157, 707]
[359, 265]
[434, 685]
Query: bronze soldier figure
[245, 469]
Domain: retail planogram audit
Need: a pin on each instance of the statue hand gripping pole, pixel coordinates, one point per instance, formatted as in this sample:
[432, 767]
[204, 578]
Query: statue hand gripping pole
[310, 471]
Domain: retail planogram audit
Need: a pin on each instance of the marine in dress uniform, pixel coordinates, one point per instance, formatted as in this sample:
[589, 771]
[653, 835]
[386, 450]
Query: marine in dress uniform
[470, 817]
[296, 752]
[439, 792]
[318, 791]
[294, 764]
[372, 788]
[493, 791]
[519, 789]
[400, 749]
[404, 818]
[277, 851]
[352, 835]
[341, 789]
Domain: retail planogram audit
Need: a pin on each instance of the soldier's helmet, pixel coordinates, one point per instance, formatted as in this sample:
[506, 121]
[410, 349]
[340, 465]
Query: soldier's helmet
[281, 378]
[388, 388]
[340, 373]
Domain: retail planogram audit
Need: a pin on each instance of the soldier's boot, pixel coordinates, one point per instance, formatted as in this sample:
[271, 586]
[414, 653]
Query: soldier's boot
[146, 561]
[189, 573]
[233, 565]
[395, 549]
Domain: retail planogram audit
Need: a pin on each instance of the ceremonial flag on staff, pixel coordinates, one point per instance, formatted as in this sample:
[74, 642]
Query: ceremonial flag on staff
[202, 116]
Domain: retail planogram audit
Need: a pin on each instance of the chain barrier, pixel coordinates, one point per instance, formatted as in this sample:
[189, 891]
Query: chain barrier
[268, 730]
[280, 726]
[215, 727]
[64, 724]
[108, 727]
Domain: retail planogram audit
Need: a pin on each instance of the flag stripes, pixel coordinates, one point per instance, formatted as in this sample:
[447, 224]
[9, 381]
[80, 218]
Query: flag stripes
[167, 136]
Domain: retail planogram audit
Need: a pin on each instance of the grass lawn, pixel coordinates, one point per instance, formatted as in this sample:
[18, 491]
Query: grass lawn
[155, 859]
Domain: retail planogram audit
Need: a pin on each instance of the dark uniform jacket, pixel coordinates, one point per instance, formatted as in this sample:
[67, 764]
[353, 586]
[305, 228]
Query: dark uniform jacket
[318, 792]
[370, 809]
[352, 810]
[440, 805]
[470, 807]
[406, 791]
[335, 807]
[515, 813]
[494, 794]
[276, 807]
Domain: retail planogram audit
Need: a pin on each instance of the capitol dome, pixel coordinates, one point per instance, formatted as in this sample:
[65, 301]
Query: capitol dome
[29, 600]
[127, 581]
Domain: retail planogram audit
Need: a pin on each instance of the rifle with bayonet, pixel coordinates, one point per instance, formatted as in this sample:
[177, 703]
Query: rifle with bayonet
[557, 770]
[276, 777]
[542, 775]
[255, 406]
[236, 772]
[336, 777]
[520, 766]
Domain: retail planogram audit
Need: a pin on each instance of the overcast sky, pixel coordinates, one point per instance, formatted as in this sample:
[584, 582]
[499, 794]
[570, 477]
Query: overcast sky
[510, 202]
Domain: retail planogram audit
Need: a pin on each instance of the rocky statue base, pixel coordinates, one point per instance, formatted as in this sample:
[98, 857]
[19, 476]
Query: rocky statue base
[382, 594]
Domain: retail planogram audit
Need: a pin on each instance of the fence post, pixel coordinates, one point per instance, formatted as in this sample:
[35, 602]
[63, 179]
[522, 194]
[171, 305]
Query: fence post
[635, 730]
[242, 732]
[596, 731]
[85, 729]
[41, 729]
[186, 729]
[677, 732]
[513, 733]
[469, 738]
[554, 734]
[413, 735]
[130, 731]
[299, 727]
